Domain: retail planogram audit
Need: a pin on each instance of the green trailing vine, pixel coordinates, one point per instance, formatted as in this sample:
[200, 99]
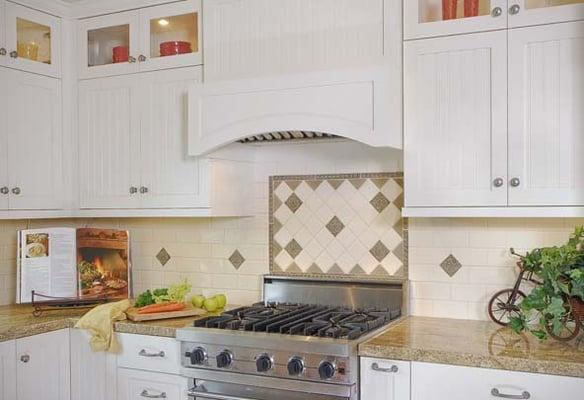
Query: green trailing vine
[561, 271]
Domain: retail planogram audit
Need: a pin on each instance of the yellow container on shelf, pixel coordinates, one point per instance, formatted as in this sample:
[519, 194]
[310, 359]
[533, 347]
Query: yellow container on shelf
[28, 50]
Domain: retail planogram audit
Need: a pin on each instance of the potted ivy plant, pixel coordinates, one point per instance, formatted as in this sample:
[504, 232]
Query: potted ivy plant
[556, 306]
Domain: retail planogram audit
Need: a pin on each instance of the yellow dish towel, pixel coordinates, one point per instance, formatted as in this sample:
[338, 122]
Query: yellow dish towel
[99, 322]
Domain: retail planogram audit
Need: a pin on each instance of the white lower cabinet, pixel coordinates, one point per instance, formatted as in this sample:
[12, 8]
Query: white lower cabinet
[385, 379]
[8, 370]
[43, 366]
[447, 382]
[137, 385]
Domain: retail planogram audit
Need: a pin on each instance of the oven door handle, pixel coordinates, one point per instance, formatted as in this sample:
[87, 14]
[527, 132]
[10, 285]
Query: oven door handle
[213, 396]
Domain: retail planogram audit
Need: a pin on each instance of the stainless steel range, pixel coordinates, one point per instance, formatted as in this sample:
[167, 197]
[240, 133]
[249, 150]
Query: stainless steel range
[300, 343]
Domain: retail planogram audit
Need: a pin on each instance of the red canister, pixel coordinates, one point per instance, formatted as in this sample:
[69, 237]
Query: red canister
[120, 54]
[449, 9]
[471, 8]
[174, 47]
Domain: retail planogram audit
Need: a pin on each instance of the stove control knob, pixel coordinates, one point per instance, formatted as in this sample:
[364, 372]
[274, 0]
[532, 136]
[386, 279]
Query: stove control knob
[295, 366]
[264, 363]
[326, 370]
[198, 356]
[224, 359]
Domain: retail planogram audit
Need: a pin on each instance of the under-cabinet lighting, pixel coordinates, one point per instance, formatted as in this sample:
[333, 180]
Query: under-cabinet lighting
[163, 22]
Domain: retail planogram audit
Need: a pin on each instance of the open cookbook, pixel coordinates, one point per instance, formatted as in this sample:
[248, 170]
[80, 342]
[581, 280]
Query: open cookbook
[73, 263]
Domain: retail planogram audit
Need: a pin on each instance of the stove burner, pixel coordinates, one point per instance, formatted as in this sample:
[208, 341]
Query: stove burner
[301, 319]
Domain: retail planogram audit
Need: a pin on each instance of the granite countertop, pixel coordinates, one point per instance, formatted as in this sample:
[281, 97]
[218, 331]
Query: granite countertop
[475, 344]
[17, 321]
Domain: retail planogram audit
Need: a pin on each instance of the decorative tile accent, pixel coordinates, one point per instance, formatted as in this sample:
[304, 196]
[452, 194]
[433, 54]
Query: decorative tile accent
[236, 259]
[338, 225]
[379, 251]
[335, 226]
[379, 202]
[163, 257]
[293, 202]
[450, 265]
[293, 248]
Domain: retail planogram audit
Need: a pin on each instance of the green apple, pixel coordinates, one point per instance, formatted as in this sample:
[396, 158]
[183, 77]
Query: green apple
[221, 300]
[198, 301]
[210, 305]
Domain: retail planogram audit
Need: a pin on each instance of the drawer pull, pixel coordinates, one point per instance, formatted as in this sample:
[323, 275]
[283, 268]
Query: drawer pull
[523, 396]
[146, 393]
[376, 367]
[144, 353]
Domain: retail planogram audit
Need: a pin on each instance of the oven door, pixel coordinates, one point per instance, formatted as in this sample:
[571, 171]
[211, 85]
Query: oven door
[213, 390]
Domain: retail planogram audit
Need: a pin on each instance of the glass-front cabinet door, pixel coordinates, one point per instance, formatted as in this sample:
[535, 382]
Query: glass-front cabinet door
[428, 18]
[537, 12]
[32, 40]
[171, 35]
[109, 45]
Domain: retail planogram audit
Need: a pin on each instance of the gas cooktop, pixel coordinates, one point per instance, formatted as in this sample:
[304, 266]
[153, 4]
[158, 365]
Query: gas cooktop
[301, 320]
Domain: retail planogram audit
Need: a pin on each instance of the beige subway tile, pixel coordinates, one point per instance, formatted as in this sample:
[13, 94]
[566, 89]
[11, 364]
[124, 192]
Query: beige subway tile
[430, 290]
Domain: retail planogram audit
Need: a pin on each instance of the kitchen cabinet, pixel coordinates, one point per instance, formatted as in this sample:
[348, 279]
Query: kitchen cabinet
[133, 147]
[385, 379]
[456, 121]
[43, 366]
[93, 374]
[32, 141]
[546, 125]
[31, 40]
[428, 18]
[8, 370]
[137, 385]
[134, 41]
[447, 382]
[262, 38]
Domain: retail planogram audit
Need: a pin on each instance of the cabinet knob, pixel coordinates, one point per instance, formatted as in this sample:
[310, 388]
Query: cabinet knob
[16, 190]
[2, 51]
[515, 182]
[14, 54]
[25, 358]
[133, 190]
[498, 182]
[514, 9]
[143, 190]
[497, 12]
[4, 190]
[131, 59]
[376, 367]
[141, 58]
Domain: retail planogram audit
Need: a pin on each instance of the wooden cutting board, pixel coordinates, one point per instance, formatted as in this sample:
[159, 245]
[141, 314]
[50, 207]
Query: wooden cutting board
[189, 311]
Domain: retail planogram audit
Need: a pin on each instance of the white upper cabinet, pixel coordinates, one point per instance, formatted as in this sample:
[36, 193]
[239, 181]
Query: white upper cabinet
[32, 40]
[259, 38]
[43, 366]
[384, 379]
[4, 115]
[456, 121]
[169, 175]
[109, 142]
[425, 18]
[536, 12]
[546, 115]
[151, 38]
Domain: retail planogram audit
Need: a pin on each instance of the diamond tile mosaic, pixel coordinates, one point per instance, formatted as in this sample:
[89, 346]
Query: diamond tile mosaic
[450, 265]
[163, 257]
[338, 225]
[236, 259]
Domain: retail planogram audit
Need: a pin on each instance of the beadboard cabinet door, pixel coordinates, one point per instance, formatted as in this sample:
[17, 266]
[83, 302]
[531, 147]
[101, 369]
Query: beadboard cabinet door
[109, 142]
[456, 121]
[546, 118]
[170, 177]
[8, 370]
[4, 115]
[537, 12]
[43, 366]
[384, 379]
[35, 141]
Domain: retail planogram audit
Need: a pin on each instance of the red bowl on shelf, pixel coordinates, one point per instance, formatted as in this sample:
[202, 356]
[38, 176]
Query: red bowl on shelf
[174, 48]
[120, 54]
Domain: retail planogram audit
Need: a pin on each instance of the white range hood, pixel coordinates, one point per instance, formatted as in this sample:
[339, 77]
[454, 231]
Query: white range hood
[360, 104]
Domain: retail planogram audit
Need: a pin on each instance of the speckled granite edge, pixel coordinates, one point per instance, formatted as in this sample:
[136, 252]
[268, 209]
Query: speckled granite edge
[473, 360]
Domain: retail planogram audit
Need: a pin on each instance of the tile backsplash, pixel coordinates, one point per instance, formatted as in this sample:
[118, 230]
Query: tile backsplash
[456, 265]
[346, 225]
